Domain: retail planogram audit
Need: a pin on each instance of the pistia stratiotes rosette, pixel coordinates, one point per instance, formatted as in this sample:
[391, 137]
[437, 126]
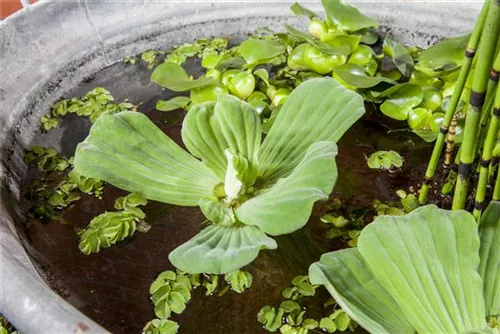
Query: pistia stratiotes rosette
[431, 271]
[247, 188]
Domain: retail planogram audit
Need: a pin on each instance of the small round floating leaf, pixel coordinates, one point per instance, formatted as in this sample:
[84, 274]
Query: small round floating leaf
[402, 99]
[355, 75]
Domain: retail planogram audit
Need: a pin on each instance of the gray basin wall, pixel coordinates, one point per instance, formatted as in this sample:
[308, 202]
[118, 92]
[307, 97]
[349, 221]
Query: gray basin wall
[52, 46]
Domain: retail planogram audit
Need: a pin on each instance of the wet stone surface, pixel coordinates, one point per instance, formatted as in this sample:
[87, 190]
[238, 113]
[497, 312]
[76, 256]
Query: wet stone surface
[112, 286]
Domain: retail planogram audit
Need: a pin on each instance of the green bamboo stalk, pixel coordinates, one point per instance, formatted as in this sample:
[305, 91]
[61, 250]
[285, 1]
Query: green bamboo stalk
[489, 143]
[470, 51]
[496, 191]
[487, 46]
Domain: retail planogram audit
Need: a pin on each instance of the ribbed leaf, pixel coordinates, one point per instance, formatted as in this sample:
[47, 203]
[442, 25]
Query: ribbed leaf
[489, 267]
[350, 282]
[317, 110]
[427, 261]
[286, 206]
[220, 249]
[211, 128]
[130, 152]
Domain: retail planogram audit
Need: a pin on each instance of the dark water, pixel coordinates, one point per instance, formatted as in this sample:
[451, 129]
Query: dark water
[112, 286]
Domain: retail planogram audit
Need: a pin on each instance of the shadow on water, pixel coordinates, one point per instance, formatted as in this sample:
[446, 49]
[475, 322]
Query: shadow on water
[112, 286]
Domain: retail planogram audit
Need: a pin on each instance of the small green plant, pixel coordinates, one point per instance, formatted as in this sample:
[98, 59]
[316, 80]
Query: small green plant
[430, 271]
[385, 160]
[246, 188]
[109, 228]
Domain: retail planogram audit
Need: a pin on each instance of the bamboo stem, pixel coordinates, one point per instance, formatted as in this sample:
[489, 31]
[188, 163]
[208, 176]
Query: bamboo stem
[487, 45]
[489, 143]
[496, 191]
[455, 99]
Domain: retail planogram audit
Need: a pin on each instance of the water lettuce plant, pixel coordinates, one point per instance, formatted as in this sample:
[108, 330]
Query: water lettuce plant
[431, 271]
[248, 188]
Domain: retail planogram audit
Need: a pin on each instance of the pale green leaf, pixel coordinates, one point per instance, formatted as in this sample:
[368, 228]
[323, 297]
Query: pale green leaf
[220, 249]
[211, 128]
[385, 160]
[217, 211]
[130, 152]
[402, 99]
[350, 282]
[489, 267]
[427, 261]
[356, 76]
[258, 50]
[287, 205]
[173, 104]
[334, 50]
[317, 110]
[174, 77]
[297, 9]
[448, 52]
[346, 17]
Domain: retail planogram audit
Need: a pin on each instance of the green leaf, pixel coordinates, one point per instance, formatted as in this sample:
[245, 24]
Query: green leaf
[105, 230]
[401, 100]
[258, 50]
[350, 282]
[239, 280]
[217, 211]
[220, 249]
[427, 135]
[287, 205]
[346, 17]
[489, 267]
[211, 128]
[427, 261]
[271, 318]
[328, 325]
[161, 326]
[355, 75]
[289, 306]
[449, 51]
[322, 46]
[172, 76]
[299, 10]
[174, 103]
[128, 151]
[385, 160]
[317, 110]
[400, 56]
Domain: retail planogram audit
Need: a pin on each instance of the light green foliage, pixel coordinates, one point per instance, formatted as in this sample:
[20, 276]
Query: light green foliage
[301, 287]
[46, 159]
[149, 57]
[161, 326]
[109, 228]
[169, 293]
[346, 17]
[291, 169]
[297, 9]
[337, 321]
[271, 318]
[130, 60]
[400, 100]
[444, 55]
[200, 48]
[346, 228]
[385, 160]
[174, 77]
[405, 266]
[177, 102]
[256, 51]
[239, 280]
[91, 105]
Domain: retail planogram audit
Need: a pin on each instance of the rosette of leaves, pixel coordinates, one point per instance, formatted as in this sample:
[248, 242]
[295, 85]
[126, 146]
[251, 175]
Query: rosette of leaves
[169, 293]
[160, 326]
[248, 189]
[430, 271]
[111, 227]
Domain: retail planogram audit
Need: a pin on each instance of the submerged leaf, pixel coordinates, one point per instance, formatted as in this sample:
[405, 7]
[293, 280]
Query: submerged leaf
[427, 261]
[130, 152]
[350, 282]
[174, 77]
[489, 267]
[317, 110]
[286, 206]
[346, 17]
[220, 249]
